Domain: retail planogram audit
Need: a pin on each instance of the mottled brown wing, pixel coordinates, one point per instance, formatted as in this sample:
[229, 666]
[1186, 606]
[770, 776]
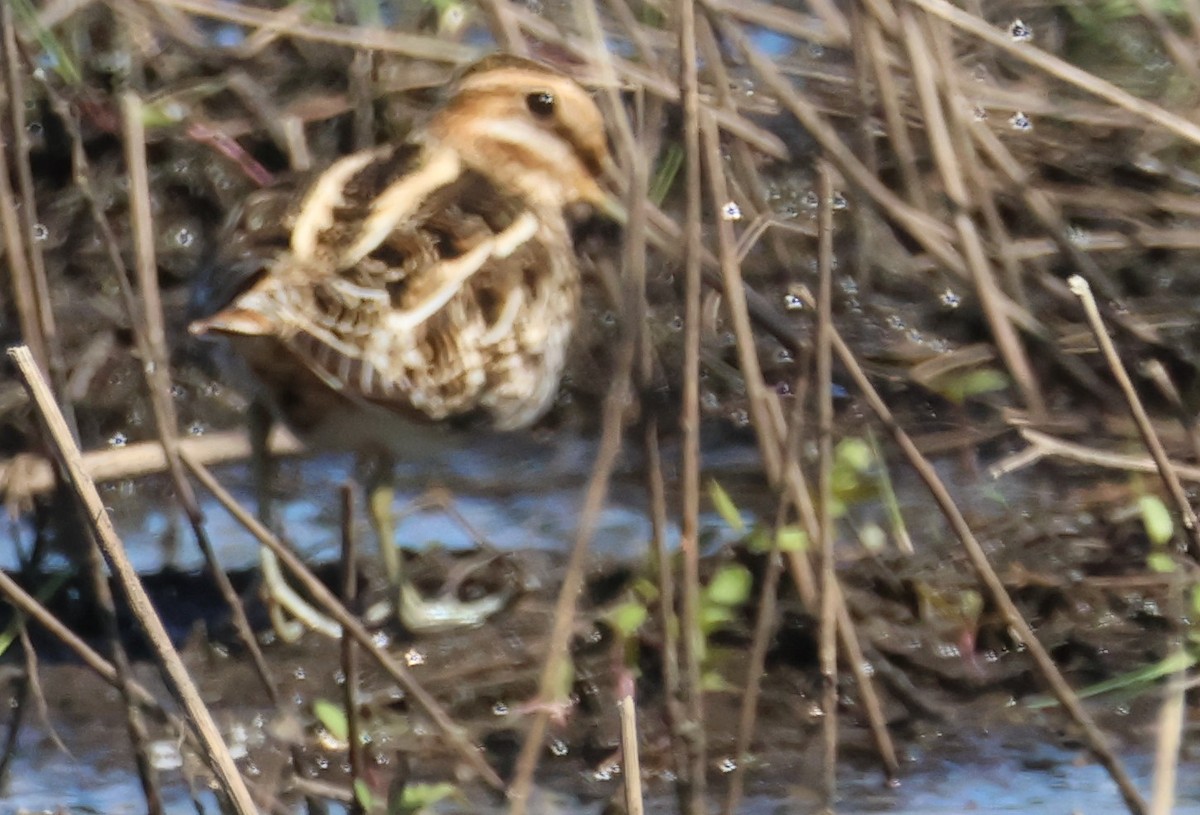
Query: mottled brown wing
[433, 322]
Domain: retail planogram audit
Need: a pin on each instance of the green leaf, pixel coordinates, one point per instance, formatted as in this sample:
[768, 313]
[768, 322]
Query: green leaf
[1174, 663]
[725, 507]
[1156, 519]
[333, 718]
[713, 682]
[854, 453]
[759, 540]
[362, 794]
[1160, 562]
[646, 590]
[628, 617]
[664, 179]
[713, 617]
[791, 539]
[960, 387]
[418, 797]
[730, 586]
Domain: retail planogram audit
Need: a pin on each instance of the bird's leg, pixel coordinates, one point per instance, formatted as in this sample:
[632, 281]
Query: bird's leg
[280, 596]
[417, 613]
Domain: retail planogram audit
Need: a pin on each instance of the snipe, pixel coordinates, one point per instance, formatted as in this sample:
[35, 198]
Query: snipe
[430, 283]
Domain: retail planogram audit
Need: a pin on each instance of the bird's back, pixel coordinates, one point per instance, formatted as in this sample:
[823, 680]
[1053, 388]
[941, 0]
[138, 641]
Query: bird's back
[461, 312]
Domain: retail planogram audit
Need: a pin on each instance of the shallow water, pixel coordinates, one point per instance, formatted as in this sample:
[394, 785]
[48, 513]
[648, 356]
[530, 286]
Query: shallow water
[997, 777]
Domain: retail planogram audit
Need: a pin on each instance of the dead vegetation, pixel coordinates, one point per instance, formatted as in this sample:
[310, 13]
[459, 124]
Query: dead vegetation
[966, 232]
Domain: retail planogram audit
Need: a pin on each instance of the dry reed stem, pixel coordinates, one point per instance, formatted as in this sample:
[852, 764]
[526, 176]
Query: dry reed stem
[632, 770]
[764, 624]
[804, 27]
[32, 608]
[612, 421]
[691, 733]
[889, 97]
[1138, 411]
[505, 27]
[994, 588]
[1043, 445]
[981, 186]
[767, 421]
[942, 143]
[17, 249]
[47, 326]
[827, 640]
[325, 600]
[1156, 372]
[1061, 69]
[149, 325]
[349, 650]
[564, 610]
[215, 750]
[934, 236]
[357, 37]
[745, 162]
[31, 475]
[1169, 741]
[668, 620]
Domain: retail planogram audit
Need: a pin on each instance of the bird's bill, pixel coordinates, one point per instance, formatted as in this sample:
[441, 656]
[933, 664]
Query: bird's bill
[232, 321]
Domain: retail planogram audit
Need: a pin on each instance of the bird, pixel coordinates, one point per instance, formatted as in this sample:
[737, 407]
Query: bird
[429, 287]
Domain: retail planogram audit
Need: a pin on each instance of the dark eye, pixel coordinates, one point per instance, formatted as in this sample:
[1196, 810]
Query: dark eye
[540, 104]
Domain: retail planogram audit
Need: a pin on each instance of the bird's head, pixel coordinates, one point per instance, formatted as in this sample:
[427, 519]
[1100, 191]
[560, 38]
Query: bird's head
[530, 129]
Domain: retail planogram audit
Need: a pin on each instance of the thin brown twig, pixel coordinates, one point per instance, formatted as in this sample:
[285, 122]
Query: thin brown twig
[668, 619]
[1145, 429]
[938, 126]
[764, 623]
[693, 735]
[596, 493]
[828, 651]
[349, 650]
[1043, 662]
[325, 600]
[97, 518]
[35, 265]
[286, 23]
[16, 250]
[1043, 445]
[1060, 69]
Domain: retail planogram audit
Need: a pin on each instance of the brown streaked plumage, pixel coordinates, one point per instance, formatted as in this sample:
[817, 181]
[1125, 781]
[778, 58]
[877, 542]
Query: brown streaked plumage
[432, 281]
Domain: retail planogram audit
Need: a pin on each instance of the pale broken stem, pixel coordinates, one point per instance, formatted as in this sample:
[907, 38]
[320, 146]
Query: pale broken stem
[1171, 718]
[30, 475]
[1042, 445]
[1170, 478]
[629, 751]
[216, 752]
